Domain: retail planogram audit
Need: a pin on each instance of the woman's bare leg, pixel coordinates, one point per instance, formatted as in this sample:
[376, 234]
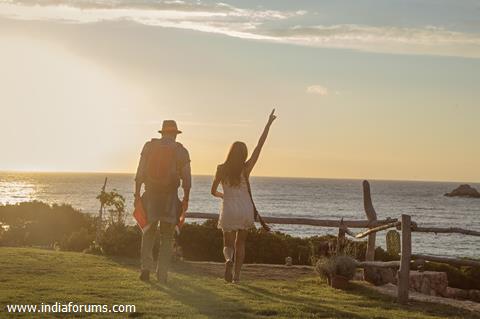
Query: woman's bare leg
[228, 245]
[228, 253]
[239, 253]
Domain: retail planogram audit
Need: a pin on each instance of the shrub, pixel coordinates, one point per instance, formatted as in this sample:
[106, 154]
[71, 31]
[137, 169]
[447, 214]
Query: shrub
[15, 236]
[62, 226]
[94, 249]
[36, 223]
[262, 247]
[204, 242]
[325, 267]
[344, 266]
[78, 241]
[121, 240]
[3, 229]
[383, 255]
[473, 273]
[201, 242]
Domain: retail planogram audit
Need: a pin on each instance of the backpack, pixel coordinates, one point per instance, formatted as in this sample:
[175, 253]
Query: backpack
[162, 171]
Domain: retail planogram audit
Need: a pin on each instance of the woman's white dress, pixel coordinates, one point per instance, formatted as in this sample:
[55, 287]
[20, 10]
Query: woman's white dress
[237, 207]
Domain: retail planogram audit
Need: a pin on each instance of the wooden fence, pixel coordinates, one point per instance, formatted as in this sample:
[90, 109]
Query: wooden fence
[373, 225]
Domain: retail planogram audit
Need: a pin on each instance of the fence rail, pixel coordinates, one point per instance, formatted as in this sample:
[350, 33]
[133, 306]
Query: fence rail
[305, 221]
[449, 230]
[448, 260]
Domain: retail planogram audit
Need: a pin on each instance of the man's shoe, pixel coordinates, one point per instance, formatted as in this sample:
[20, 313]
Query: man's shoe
[228, 271]
[162, 277]
[145, 275]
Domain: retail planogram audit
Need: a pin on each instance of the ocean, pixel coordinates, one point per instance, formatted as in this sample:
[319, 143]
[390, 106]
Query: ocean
[284, 197]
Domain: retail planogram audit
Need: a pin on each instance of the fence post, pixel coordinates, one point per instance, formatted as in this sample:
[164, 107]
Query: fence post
[404, 274]
[341, 238]
[372, 216]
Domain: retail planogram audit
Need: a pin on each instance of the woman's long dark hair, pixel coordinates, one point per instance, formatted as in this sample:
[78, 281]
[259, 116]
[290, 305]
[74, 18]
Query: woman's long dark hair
[233, 167]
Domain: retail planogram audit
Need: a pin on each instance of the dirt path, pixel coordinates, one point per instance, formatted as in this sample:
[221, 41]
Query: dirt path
[249, 271]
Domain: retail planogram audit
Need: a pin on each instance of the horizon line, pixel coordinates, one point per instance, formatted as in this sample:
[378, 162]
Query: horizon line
[260, 176]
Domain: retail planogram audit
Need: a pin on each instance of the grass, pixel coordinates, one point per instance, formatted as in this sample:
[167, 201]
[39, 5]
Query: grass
[33, 276]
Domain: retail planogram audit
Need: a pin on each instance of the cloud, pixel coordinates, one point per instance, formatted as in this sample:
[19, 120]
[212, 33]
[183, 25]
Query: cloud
[229, 20]
[317, 90]
[385, 39]
[214, 124]
[212, 18]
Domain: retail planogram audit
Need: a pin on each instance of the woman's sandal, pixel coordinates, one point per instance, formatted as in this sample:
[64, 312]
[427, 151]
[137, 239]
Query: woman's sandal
[236, 281]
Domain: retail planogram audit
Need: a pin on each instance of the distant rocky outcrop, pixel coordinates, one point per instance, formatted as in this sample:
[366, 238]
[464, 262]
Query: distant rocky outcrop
[464, 191]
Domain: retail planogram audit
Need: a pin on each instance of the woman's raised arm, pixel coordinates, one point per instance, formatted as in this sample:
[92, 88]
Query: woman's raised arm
[256, 152]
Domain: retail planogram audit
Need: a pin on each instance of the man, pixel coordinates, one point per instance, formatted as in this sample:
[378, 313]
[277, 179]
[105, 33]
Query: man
[163, 164]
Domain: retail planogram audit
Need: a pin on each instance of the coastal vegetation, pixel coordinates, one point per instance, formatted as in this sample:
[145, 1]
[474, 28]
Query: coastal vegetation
[62, 227]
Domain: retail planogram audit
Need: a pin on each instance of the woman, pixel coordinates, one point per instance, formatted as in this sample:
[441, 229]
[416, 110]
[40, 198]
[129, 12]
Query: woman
[238, 209]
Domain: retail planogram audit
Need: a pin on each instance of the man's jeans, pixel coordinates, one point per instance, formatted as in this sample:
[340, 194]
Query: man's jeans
[165, 248]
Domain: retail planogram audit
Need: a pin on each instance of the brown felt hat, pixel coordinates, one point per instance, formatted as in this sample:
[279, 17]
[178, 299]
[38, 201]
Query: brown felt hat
[169, 126]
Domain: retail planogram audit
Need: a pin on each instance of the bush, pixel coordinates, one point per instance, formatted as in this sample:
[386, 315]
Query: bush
[15, 236]
[344, 266]
[383, 255]
[78, 241]
[266, 248]
[93, 249]
[325, 267]
[473, 273]
[2, 232]
[204, 242]
[40, 224]
[62, 226]
[201, 242]
[121, 240]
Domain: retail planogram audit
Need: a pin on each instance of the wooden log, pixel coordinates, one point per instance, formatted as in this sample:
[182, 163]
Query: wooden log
[404, 274]
[449, 230]
[349, 232]
[345, 229]
[380, 264]
[390, 223]
[448, 260]
[377, 229]
[304, 221]
[372, 217]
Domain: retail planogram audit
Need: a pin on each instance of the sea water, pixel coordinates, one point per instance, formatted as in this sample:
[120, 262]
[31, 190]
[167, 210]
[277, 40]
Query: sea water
[285, 197]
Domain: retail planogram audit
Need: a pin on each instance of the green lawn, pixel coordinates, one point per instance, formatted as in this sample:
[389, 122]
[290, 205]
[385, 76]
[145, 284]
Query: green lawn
[33, 276]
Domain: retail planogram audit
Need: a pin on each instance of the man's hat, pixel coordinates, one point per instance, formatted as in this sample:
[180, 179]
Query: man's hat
[169, 126]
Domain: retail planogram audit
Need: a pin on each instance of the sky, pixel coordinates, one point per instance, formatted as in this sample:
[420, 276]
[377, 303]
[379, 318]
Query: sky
[363, 88]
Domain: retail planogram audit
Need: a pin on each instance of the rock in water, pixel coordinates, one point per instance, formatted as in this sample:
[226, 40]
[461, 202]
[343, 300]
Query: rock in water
[464, 191]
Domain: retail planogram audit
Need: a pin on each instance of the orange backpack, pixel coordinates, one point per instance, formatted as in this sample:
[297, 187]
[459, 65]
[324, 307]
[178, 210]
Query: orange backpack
[162, 172]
